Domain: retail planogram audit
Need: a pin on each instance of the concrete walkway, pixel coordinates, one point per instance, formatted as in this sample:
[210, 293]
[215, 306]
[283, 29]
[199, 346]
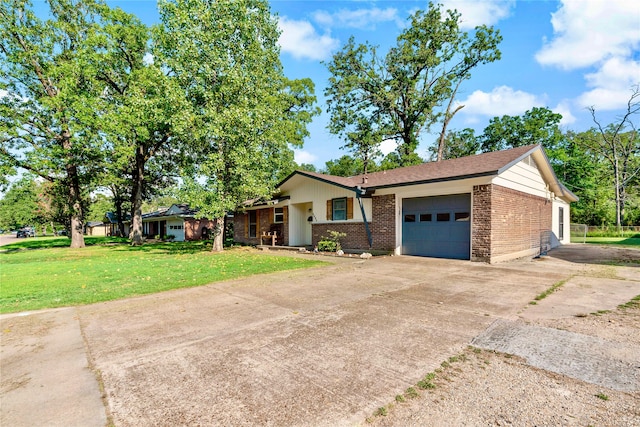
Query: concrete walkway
[324, 346]
[45, 375]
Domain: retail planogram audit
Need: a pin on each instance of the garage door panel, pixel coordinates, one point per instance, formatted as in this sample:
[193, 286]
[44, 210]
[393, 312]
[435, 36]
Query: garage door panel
[439, 226]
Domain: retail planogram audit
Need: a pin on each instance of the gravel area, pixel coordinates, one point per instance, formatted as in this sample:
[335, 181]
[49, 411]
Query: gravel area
[482, 387]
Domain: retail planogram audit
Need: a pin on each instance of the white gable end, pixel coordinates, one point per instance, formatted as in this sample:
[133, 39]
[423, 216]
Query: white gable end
[524, 176]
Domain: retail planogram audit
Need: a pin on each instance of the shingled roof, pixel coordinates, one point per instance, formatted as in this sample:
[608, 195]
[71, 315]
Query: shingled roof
[485, 164]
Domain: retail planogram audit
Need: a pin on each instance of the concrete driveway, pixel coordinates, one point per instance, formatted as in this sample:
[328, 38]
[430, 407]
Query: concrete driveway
[325, 346]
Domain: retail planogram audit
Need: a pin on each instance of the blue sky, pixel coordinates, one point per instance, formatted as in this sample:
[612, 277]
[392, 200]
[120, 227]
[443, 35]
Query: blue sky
[565, 55]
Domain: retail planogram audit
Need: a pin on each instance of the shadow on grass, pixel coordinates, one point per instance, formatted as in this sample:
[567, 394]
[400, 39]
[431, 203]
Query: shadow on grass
[116, 243]
[59, 242]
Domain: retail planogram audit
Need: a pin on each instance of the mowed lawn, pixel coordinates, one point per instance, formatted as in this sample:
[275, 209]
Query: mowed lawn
[632, 242]
[58, 277]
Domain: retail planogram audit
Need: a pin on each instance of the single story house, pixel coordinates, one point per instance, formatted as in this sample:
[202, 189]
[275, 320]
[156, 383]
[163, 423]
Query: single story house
[96, 228]
[177, 220]
[489, 207]
[111, 219]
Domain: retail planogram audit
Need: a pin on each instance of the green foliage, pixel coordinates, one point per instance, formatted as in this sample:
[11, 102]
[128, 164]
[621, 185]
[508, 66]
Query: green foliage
[536, 126]
[458, 144]
[19, 206]
[100, 205]
[331, 243]
[243, 112]
[347, 166]
[373, 97]
[48, 115]
[307, 167]
[105, 273]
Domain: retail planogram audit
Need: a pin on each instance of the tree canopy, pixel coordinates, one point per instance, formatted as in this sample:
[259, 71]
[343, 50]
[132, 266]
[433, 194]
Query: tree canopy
[400, 94]
[244, 113]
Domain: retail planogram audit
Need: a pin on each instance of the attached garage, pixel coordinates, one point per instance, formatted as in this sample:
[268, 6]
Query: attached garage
[490, 207]
[437, 226]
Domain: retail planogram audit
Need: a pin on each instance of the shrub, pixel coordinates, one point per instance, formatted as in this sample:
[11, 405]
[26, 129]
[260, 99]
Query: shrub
[331, 243]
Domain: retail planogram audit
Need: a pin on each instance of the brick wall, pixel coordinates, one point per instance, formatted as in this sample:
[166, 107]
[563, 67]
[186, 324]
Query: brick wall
[481, 226]
[193, 228]
[356, 237]
[383, 227]
[265, 223]
[507, 222]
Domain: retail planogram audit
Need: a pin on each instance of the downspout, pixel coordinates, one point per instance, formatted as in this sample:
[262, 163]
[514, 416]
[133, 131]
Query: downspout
[358, 191]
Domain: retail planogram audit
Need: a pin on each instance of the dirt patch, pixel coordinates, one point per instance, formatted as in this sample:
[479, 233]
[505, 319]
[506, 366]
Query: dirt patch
[488, 388]
[597, 254]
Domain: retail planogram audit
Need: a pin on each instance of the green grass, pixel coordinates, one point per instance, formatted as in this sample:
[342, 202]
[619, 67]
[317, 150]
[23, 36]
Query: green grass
[58, 242]
[58, 277]
[633, 242]
[549, 291]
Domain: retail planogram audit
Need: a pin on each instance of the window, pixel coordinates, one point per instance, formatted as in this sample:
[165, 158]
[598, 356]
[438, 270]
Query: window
[561, 223]
[461, 216]
[253, 223]
[278, 215]
[443, 217]
[340, 209]
[425, 217]
[409, 218]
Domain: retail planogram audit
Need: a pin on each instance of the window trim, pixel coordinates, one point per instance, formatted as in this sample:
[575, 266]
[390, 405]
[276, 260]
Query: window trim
[334, 210]
[278, 217]
[253, 224]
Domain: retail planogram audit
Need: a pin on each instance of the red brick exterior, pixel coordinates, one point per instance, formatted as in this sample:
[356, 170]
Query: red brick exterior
[506, 222]
[356, 237]
[265, 224]
[193, 227]
[383, 226]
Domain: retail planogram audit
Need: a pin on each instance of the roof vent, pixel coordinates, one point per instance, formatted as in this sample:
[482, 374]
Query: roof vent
[365, 179]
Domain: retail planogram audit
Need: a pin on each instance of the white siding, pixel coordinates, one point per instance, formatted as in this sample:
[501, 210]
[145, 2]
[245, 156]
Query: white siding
[555, 223]
[317, 193]
[524, 178]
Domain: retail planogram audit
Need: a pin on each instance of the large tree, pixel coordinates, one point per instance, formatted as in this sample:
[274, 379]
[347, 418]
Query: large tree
[619, 144]
[404, 92]
[47, 114]
[142, 109]
[19, 206]
[244, 113]
[536, 126]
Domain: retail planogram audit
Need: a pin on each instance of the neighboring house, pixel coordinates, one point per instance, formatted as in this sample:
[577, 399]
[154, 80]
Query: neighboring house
[489, 207]
[111, 219]
[96, 228]
[178, 220]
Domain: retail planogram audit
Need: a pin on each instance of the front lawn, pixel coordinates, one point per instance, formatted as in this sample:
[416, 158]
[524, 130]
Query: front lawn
[633, 242]
[57, 277]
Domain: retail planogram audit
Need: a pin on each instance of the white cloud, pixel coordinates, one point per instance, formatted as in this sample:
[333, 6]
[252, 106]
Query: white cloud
[148, 58]
[501, 101]
[564, 109]
[300, 39]
[301, 156]
[474, 12]
[589, 31]
[611, 84]
[358, 18]
[388, 145]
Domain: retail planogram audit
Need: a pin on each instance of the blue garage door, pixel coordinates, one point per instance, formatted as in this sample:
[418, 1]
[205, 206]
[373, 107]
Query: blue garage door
[437, 226]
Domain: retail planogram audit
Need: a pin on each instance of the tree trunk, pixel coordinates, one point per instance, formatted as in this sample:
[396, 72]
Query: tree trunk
[218, 236]
[118, 204]
[136, 200]
[77, 217]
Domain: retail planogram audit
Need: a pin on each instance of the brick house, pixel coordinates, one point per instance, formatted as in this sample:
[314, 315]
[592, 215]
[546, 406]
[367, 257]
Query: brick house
[489, 207]
[178, 220]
